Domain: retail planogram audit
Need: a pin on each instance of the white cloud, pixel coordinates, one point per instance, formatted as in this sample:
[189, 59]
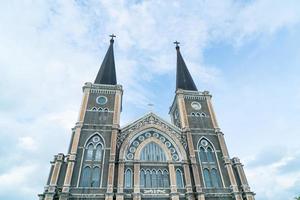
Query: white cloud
[27, 143]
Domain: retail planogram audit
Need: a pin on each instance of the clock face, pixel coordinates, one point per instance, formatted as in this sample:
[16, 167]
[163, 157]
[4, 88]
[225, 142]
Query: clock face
[101, 100]
[196, 105]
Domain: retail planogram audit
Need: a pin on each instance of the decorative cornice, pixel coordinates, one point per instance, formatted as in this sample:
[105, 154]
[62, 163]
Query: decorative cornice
[102, 88]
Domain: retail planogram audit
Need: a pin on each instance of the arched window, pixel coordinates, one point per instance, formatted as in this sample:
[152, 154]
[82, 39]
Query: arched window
[209, 164]
[154, 179]
[98, 152]
[128, 178]
[96, 177]
[179, 179]
[89, 153]
[92, 163]
[207, 178]
[94, 109]
[153, 152]
[105, 109]
[148, 179]
[210, 156]
[215, 178]
[142, 178]
[160, 179]
[86, 177]
[203, 114]
[166, 178]
[203, 157]
[100, 109]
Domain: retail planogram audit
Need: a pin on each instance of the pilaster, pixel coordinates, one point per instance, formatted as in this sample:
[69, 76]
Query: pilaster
[191, 150]
[188, 181]
[120, 190]
[232, 179]
[113, 144]
[211, 109]
[244, 183]
[136, 181]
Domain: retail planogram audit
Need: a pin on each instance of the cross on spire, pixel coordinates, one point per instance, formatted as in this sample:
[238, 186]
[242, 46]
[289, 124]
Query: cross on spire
[184, 79]
[112, 38]
[177, 43]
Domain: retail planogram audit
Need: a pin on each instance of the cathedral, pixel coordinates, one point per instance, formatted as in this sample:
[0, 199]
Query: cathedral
[150, 158]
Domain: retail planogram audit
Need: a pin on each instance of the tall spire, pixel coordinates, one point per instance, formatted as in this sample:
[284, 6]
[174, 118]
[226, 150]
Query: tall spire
[107, 71]
[184, 79]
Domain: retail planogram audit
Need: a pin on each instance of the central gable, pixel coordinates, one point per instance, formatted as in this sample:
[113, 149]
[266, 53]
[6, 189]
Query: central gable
[148, 121]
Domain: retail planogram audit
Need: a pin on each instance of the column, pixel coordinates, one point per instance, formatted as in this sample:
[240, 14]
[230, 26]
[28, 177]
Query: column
[136, 181]
[173, 185]
[120, 190]
[188, 181]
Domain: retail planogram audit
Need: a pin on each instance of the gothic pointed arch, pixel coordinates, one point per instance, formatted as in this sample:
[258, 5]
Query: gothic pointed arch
[152, 122]
[92, 161]
[209, 163]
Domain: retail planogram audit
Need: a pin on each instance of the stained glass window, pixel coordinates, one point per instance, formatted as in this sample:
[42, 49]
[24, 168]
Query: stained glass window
[179, 179]
[128, 178]
[86, 175]
[207, 178]
[152, 152]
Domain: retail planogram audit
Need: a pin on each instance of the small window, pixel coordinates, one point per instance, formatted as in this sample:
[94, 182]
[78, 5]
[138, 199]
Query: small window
[203, 114]
[160, 179]
[86, 175]
[154, 179]
[207, 178]
[193, 114]
[89, 153]
[142, 178]
[98, 152]
[148, 179]
[179, 179]
[166, 179]
[128, 178]
[94, 109]
[100, 109]
[96, 177]
[210, 155]
[215, 178]
[198, 114]
[105, 109]
[202, 153]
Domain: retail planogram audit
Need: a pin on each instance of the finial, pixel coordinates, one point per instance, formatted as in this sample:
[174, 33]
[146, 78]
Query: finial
[112, 37]
[177, 44]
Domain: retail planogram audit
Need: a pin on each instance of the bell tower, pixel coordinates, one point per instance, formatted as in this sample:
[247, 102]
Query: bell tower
[210, 163]
[90, 162]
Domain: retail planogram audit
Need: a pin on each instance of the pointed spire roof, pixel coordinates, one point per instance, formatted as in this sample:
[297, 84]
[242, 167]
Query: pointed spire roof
[184, 79]
[107, 71]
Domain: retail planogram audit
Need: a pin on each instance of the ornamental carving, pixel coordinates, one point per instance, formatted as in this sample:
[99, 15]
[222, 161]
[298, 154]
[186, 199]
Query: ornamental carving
[151, 121]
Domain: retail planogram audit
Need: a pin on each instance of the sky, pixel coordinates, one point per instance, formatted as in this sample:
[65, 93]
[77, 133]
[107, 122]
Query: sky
[246, 53]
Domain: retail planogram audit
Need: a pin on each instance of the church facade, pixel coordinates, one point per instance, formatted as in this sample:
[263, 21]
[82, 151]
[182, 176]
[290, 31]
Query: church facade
[149, 158]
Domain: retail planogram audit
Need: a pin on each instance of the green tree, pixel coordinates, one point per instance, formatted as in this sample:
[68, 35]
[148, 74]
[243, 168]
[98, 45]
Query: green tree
[297, 198]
